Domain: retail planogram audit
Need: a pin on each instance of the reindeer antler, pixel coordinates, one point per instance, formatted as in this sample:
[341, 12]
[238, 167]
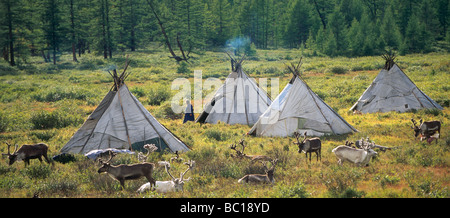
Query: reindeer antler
[414, 123]
[111, 155]
[241, 142]
[297, 135]
[167, 167]
[190, 165]
[9, 145]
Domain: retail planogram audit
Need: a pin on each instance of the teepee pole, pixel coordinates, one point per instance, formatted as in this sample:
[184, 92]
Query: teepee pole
[124, 120]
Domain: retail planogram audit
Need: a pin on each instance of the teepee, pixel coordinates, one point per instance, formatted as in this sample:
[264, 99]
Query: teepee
[392, 90]
[121, 121]
[238, 101]
[298, 109]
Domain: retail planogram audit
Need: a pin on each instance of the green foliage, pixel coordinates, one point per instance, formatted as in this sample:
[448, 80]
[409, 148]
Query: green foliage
[40, 171]
[138, 91]
[215, 134]
[158, 94]
[342, 183]
[59, 93]
[339, 70]
[55, 119]
[4, 121]
[45, 30]
[298, 190]
[165, 111]
[183, 68]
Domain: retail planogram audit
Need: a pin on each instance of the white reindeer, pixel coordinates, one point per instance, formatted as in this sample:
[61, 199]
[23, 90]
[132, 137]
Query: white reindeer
[174, 185]
[360, 157]
[150, 148]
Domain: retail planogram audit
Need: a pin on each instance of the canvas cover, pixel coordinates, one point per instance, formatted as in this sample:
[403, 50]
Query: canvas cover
[298, 109]
[238, 101]
[392, 90]
[107, 128]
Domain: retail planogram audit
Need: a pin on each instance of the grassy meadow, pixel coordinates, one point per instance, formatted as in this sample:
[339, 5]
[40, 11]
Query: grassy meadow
[41, 102]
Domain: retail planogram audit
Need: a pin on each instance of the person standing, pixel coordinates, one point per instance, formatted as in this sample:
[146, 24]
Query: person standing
[188, 112]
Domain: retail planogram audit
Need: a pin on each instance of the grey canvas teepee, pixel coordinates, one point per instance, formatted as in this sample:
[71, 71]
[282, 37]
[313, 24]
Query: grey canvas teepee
[238, 101]
[392, 90]
[298, 109]
[121, 121]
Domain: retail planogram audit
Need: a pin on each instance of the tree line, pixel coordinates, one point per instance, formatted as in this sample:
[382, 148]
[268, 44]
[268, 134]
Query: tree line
[48, 28]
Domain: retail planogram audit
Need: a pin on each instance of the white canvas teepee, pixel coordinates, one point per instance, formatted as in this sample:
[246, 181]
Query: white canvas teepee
[392, 90]
[121, 121]
[238, 101]
[298, 109]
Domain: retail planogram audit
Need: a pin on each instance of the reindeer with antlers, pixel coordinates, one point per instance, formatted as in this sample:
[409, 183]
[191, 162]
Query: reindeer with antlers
[360, 157]
[174, 185]
[261, 178]
[241, 154]
[27, 152]
[309, 146]
[428, 130]
[127, 171]
[150, 148]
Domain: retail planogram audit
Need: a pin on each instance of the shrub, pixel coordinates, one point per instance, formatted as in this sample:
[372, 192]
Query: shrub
[59, 185]
[341, 183]
[338, 70]
[40, 171]
[43, 135]
[183, 68]
[158, 94]
[216, 134]
[4, 122]
[165, 111]
[60, 93]
[138, 91]
[297, 190]
[389, 180]
[55, 119]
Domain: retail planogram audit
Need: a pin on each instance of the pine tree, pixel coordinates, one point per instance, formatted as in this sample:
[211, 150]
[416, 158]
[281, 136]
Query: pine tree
[417, 38]
[336, 23]
[366, 31]
[9, 12]
[52, 26]
[320, 39]
[330, 46]
[298, 28]
[357, 38]
[389, 30]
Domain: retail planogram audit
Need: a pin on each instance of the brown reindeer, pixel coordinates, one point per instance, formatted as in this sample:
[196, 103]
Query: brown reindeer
[127, 171]
[241, 154]
[27, 152]
[309, 146]
[261, 178]
[426, 129]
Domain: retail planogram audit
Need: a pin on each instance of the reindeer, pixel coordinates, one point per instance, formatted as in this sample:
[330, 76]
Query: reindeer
[174, 185]
[253, 158]
[27, 152]
[239, 154]
[150, 148]
[261, 178]
[349, 144]
[309, 146]
[127, 172]
[360, 157]
[427, 129]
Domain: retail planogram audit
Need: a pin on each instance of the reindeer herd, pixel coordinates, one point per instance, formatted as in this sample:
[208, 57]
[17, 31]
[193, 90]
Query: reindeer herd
[359, 153]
